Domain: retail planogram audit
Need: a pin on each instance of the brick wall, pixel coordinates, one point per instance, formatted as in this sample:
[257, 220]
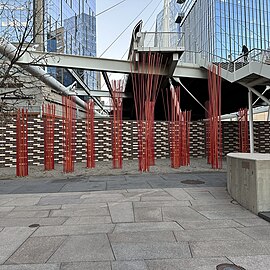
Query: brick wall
[130, 141]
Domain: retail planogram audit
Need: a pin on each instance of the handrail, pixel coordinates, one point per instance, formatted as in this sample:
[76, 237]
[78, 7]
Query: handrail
[254, 55]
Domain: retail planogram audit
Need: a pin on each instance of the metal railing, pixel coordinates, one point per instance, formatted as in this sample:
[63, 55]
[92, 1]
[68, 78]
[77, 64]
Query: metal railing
[204, 59]
[162, 40]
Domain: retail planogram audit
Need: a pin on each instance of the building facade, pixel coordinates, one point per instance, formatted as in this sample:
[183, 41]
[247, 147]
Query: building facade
[63, 26]
[220, 28]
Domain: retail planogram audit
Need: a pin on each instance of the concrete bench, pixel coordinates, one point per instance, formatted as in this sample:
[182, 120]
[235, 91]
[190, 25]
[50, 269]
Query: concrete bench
[248, 180]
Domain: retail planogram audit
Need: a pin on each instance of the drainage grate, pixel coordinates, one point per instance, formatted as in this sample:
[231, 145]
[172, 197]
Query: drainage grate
[226, 266]
[193, 182]
[33, 225]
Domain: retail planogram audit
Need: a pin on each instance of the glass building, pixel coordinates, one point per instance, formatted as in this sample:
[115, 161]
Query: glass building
[66, 26]
[221, 27]
[174, 9]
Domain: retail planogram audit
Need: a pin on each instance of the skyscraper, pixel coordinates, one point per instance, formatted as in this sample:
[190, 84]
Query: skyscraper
[221, 28]
[64, 26]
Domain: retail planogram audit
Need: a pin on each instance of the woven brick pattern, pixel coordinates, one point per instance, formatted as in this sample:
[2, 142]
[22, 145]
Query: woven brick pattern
[130, 140]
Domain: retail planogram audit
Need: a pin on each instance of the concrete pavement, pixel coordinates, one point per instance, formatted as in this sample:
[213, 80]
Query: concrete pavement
[131, 222]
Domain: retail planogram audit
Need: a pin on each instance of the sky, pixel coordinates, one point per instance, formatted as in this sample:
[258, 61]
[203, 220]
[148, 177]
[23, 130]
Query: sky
[111, 23]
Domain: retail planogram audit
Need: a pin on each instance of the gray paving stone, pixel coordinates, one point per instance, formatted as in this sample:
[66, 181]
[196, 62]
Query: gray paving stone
[181, 214]
[6, 208]
[209, 224]
[28, 214]
[4, 200]
[154, 193]
[128, 185]
[70, 199]
[74, 230]
[47, 266]
[200, 195]
[147, 226]
[105, 178]
[86, 266]
[102, 197]
[157, 198]
[37, 207]
[265, 244]
[143, 191]
[260, 262]
[38, 187]
[84, 186]
[179, 194]
[51, 221]
[142, 237]
[186, 264]
[9, 189]
[165, 184]
[257, 233]
[14, 222]
[129, 265]
[250, 222]
[11, 239]
[148, 214]
[227, 214]
[227, 248]
[181, 177]
[36, 250]
[84, 205]
[220, 194]
[121, 212]
[143, 177]
[211, 235]
[218, 207]
[139, 251]
[82, 212]
[84, 248]
[88, 220]
[23, 201]
[211, 201]
[3, 214]
[161, 204]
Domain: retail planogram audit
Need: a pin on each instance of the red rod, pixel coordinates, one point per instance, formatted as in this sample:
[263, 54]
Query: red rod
[22, 143]
[145, 88]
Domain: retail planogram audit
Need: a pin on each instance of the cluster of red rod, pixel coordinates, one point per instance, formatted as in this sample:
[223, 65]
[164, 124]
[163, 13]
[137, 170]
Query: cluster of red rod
[243, 130]
[179, 129]
[69, 124]
[145, 88]
[214, 128]
[22, 143]
[48, 112]
[117, 90]
[90, 136]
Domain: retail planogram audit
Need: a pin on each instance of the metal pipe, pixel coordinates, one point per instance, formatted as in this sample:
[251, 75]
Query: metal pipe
[251, 130]
[9, 50]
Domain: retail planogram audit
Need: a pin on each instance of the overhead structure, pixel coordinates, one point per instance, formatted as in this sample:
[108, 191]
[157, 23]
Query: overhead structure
[9, 51]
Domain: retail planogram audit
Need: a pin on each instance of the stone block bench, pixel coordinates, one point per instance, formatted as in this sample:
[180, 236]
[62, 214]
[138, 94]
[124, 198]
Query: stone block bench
[248, 180]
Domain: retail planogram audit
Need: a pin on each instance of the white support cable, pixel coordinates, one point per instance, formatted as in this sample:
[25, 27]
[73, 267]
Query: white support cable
[178, 80]
[266, 89]
[126, 28]
[117, 4]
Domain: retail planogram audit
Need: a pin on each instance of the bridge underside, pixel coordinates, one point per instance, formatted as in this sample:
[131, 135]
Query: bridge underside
[234, 96]
[193, 77]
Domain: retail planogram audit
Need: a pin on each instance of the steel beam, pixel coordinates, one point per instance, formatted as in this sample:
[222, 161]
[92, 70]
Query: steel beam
[251, 127]
[102, 64]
